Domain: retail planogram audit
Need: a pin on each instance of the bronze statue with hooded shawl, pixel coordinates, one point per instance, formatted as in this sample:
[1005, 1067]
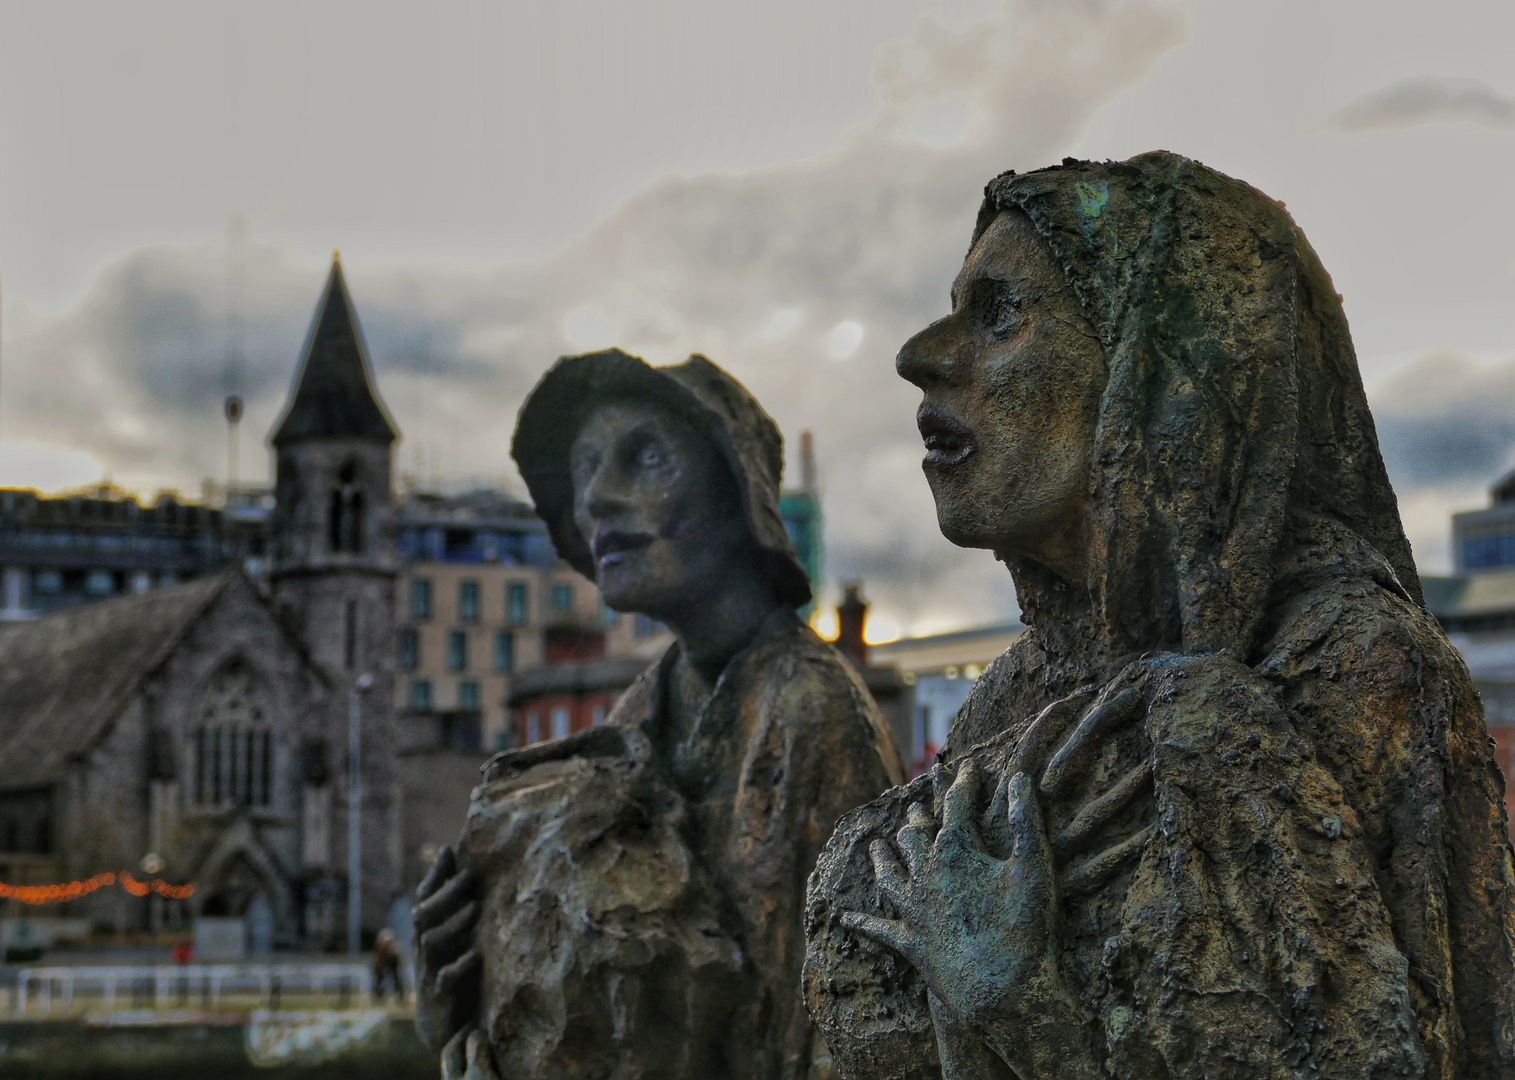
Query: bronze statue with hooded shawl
[1229, 809]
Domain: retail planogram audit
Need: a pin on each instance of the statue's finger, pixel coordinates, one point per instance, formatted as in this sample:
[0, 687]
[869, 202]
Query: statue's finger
[1028, 837]
[480, 1059]
[455, 1055]
[443, 944]
[941, 780]
[997, 817]
[889, 932]
[442, 868]
[1069, 763]
[891, 877]
[1040, 739]
[459, 971]
[957, 809]
[1095, 816]
[437, 908]
[915, 838]
[1098, 869]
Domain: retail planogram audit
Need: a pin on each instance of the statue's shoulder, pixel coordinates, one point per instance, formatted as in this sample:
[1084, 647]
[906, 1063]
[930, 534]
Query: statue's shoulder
[1361, 633]
[809, 677]
[807, 689]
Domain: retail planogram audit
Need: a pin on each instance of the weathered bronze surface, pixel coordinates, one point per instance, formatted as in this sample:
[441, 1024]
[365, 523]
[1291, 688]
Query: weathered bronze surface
[626, 902]
[1229, 809]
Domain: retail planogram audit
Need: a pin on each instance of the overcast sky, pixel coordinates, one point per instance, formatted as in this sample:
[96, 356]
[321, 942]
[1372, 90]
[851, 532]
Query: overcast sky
[785, 186]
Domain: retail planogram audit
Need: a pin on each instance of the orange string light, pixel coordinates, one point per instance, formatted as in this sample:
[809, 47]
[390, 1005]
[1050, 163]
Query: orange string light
[74, 890]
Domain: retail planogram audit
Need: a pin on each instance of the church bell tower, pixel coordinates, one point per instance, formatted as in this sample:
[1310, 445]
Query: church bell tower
[332, 562]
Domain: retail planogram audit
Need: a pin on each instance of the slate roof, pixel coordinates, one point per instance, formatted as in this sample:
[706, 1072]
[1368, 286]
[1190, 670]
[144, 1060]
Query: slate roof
[65, 677]
[334, 395]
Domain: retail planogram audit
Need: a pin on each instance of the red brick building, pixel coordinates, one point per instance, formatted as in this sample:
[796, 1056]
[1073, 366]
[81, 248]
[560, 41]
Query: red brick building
[562, 698]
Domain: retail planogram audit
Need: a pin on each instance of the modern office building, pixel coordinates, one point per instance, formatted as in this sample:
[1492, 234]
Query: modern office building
[59, 551]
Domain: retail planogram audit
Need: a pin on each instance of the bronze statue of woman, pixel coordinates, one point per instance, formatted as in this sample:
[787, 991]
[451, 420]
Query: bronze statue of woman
[626, 902]
[1229, 808]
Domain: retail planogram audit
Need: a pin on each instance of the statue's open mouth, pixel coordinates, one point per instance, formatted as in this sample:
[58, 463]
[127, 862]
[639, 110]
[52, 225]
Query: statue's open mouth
[611, 547]
[947, 441]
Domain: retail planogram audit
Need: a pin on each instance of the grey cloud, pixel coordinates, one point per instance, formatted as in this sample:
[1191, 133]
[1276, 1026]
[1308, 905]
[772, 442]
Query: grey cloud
[1446, 432]
[1444, 418]
[1427, 100]
[752, 269]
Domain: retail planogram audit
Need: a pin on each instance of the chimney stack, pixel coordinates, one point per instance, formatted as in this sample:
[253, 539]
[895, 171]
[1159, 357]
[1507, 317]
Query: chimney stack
[851, 621]
[807, 461]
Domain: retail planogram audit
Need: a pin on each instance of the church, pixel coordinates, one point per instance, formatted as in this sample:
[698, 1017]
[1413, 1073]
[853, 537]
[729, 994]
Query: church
[196, 735]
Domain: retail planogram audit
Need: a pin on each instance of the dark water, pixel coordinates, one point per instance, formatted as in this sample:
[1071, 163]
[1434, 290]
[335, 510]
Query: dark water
[73, 1051]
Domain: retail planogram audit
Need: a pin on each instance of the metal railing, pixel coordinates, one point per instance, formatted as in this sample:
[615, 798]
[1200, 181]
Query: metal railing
[39, 988]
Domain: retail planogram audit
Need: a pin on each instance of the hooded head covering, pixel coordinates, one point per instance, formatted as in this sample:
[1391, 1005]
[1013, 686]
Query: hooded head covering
[715, 403]
[1234, 456]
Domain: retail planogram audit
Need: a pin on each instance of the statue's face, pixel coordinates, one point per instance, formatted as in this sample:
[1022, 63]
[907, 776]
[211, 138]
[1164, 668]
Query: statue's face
[1012, 382]
[658, 508]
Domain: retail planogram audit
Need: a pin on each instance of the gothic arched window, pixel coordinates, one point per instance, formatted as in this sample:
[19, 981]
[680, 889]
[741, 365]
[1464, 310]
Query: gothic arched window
[344, 511]
[234, 742]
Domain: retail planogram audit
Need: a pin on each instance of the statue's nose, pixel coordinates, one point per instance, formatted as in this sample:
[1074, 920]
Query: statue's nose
[927, 358]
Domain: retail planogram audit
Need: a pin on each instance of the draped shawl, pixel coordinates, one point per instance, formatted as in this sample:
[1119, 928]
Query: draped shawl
[1327, 890]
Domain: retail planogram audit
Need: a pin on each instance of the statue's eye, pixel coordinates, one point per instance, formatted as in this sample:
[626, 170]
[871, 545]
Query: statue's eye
[650, 456]
[997, 307]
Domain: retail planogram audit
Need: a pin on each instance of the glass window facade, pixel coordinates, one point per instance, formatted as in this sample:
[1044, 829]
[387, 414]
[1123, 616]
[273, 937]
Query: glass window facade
[468, 601]
[468, 695]
[457, 651]
[504, 652]
[515, 603]
[420, 599]
[410, 650]
[562, 597]
[420, 695]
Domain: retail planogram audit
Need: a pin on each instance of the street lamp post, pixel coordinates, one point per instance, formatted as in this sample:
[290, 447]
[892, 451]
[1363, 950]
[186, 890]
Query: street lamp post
[355, 812]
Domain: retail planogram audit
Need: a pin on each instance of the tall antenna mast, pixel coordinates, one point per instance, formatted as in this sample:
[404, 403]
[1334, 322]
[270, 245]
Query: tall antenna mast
[236, 285]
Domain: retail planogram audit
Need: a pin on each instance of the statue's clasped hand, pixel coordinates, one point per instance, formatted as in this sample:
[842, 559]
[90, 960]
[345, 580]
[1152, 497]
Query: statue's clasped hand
[447, 964]
[983, 929]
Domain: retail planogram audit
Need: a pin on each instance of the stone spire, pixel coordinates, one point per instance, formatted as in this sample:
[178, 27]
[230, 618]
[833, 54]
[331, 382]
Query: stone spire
[334, 394]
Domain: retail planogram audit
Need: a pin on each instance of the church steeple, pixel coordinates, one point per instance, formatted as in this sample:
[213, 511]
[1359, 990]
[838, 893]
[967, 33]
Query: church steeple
[334, 395]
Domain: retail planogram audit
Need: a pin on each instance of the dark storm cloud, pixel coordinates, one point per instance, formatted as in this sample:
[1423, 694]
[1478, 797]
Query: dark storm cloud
[1427, 100]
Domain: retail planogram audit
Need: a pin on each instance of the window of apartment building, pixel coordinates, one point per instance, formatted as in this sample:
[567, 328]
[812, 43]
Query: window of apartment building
[643, 627]
[562, 597]
[559, 721]
[468, 695]
[504, 652]
[457, 650]
[515, 603]
[533, 727]
[468, 601]
[410, 650]
[597, 715]
[100, 583]
[420, 599]
[47, 582]
[420, 695]
[609, 615]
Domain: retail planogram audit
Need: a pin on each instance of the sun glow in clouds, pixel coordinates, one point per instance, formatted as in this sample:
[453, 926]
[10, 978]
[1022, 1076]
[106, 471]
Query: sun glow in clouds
[845, 338]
